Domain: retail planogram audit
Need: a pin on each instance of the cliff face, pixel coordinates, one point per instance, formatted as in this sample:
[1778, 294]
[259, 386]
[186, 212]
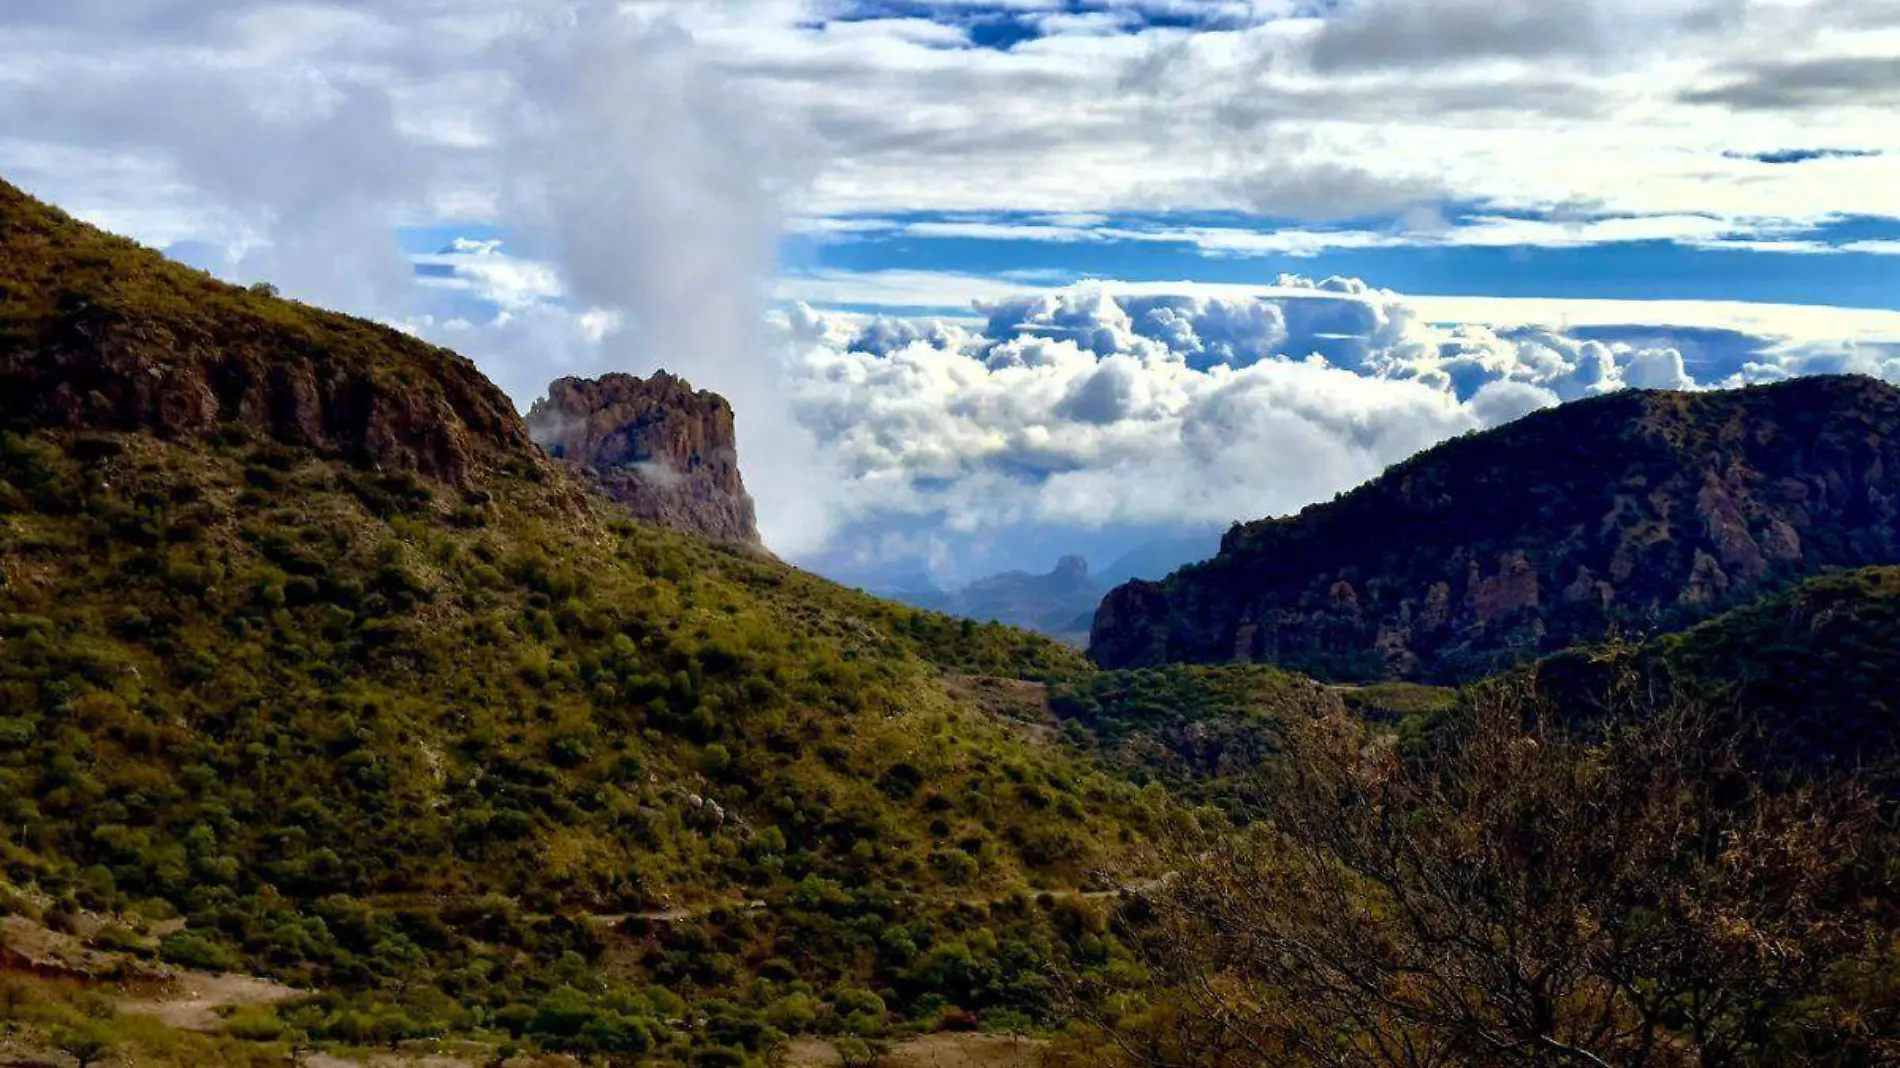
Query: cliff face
[100, 333]
[662, 449]
[1627, 514]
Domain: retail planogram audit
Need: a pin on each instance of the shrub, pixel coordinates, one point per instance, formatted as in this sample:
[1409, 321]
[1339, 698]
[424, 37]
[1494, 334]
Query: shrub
[195, 951]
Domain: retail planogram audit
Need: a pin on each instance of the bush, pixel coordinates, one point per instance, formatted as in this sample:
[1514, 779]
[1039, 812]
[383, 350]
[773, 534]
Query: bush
[195, 951]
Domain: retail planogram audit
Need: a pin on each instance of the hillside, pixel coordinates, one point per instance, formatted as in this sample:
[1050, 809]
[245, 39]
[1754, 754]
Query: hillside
[1628, 514]
[1808, 673]
[98, 333]
[303, 640]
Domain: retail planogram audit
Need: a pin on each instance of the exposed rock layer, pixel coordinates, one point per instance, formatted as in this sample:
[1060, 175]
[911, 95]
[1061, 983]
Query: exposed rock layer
[664, 450]
[1628, 514]
[97, 332]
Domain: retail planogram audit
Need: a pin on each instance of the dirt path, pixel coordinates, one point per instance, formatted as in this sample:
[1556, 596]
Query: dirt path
[941, 1050]
[390, 1060]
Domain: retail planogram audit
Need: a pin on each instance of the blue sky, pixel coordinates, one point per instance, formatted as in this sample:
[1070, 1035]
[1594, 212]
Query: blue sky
[989, 281]
[1832, 271]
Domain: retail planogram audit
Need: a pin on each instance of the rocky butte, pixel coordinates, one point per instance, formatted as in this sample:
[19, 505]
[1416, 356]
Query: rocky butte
[663, 450]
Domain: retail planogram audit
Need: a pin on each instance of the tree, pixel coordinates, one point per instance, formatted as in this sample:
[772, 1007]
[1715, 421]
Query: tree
[1529, 893]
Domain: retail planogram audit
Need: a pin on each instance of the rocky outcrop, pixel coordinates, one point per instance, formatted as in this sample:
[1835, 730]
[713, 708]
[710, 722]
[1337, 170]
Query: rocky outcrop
[1628, 514]
[663, 450]
[99, 333]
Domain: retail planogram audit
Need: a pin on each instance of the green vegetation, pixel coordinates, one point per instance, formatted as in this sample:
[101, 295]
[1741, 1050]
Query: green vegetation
[302, 643]
[1806, 676]
[373, 754]
[1815, 666]
[411, 721]
[1203, 732]
[1515, 893]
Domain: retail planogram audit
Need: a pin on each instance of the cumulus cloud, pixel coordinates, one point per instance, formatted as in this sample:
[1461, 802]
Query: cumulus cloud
[1090, 407]
[1099, 406]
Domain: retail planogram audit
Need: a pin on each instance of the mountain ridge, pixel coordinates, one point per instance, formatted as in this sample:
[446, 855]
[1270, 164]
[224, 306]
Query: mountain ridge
[97, 332]
[1633, 512]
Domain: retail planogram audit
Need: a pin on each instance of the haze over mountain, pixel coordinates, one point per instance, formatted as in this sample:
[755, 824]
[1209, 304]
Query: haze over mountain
[1060, 603]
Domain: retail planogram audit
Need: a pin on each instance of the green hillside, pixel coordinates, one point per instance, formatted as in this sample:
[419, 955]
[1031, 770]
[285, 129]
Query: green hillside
[301, 640]
[1807, 673]
[1213, 734]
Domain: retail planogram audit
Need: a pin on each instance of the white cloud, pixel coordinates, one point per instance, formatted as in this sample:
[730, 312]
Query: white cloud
[1094, 406]
[1639, 109]
[482, 269]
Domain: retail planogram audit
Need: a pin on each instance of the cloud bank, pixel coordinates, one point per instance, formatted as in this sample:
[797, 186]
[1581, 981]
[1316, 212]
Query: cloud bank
[569, 189]
[1088, 408]
[1093, 407]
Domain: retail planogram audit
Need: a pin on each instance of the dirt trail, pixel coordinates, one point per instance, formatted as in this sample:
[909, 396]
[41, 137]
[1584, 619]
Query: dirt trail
[390, 1060]
[941, 1050]
[194, 1001]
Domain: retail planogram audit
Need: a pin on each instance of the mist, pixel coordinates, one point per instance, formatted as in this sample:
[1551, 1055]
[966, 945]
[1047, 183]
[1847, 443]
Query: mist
[658, 186]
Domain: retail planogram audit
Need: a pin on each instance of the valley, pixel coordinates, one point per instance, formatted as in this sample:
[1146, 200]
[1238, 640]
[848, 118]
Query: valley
[343, 723]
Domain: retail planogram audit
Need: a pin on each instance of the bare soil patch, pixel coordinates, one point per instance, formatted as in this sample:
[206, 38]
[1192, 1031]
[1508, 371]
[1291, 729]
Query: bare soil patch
[183, 998]
[195, 1001]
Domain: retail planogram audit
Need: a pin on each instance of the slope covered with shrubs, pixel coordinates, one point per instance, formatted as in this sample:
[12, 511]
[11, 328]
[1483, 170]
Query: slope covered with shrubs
[1635, 513]
[1805, 676]
[301, 639]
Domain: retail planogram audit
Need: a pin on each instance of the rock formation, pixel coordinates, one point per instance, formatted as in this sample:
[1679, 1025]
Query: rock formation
[660, 448]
